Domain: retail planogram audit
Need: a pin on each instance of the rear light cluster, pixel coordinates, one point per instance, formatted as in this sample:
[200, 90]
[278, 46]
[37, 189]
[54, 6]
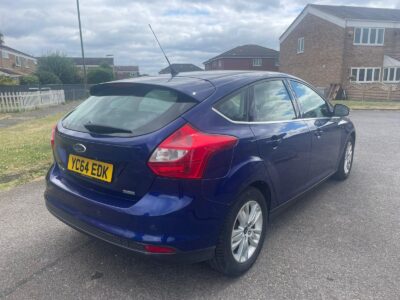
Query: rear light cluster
[186, 152]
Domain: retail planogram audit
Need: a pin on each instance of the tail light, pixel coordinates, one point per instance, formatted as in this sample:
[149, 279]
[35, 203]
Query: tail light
[186, 152]
[53, 133]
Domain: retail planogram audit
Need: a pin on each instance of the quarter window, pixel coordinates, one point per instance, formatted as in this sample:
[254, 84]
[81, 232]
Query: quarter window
[368, 36]
[234, 107]
[312, 105]
[272, 102]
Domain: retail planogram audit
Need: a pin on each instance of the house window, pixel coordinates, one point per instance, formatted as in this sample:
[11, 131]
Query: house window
[219, 63]
[257, 62]
[4, 54]
[18, 60]
[391, 74]
[300, 45]
[365, 74]
[368, 36]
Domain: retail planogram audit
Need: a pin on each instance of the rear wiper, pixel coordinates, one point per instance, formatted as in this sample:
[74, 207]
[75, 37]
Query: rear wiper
[98, 128]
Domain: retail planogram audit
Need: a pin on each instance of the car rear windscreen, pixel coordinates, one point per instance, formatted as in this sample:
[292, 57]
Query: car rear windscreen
[128, 111]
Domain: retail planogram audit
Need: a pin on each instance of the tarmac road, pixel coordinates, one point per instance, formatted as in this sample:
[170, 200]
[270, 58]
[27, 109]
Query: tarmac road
[340, 241]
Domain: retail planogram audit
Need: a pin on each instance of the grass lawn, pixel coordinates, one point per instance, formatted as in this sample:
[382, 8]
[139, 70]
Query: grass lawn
[369, 104]
[25, 151]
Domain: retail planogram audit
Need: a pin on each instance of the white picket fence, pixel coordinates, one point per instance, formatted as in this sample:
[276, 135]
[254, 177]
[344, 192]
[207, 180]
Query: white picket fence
[20, 101]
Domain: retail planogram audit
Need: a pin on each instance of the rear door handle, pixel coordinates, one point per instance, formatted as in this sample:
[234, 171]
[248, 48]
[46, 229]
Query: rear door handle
[276, 140]
[318, 132]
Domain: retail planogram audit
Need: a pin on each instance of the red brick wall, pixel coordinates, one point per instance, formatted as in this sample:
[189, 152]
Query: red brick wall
[321, 62]
[9, 63]
[268, 64]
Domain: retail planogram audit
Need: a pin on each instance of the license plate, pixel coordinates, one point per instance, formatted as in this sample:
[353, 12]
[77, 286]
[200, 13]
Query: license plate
[90, 167]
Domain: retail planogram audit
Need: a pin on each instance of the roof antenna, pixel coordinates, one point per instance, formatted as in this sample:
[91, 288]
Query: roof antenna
[172, 70]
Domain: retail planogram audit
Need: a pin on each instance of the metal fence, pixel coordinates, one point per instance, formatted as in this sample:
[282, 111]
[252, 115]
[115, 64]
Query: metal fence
[71, 91]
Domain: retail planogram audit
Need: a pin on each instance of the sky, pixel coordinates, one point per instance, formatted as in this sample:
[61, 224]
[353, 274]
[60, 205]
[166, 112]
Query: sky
[189, 31]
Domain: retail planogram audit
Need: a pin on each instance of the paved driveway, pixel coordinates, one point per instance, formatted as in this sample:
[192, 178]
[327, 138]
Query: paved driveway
[341, 241]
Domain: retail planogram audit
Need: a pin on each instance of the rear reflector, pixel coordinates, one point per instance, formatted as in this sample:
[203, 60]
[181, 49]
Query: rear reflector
[53, 133]
[158, 249]
[186, 152]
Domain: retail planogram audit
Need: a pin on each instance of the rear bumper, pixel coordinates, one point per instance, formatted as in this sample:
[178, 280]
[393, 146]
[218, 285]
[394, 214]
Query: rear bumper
[178, 219]
[178, 256]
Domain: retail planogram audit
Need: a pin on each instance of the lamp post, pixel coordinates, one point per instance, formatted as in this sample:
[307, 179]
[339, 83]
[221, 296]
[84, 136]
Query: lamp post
[83, 52]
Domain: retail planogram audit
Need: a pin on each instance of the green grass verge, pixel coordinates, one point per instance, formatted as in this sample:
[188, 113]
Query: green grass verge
[25, 152]
[390, 105]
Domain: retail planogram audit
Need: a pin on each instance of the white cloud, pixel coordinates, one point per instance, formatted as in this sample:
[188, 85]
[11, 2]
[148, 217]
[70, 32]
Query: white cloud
[190, 31]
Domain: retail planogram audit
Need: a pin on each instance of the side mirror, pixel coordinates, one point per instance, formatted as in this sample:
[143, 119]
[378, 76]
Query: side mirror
[340, 110]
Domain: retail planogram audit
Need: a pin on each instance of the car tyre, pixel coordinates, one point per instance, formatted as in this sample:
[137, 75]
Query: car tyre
[248, 231]
[346, 161]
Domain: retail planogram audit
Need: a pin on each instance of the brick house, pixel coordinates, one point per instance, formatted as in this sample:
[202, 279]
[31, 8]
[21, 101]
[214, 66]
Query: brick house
[351, 52]
[246, 57]
[180, 68]
[93, 62]
[14, 63]
[123, 72]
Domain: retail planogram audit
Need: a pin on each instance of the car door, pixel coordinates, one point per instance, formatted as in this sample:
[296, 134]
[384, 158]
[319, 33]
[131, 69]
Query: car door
[283, 140]
[325, 129]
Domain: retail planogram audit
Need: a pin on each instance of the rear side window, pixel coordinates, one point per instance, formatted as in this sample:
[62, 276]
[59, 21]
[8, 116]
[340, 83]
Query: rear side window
[234, 107]
[312, 104]
[272, 102]
[129, 111]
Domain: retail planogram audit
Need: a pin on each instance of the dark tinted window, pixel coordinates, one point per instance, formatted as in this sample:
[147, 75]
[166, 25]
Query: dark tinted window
[234, 107]
[128, 111]
[312, 105]
[272, 102]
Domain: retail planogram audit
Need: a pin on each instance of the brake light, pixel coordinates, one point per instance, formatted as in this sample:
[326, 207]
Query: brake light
[186, 152]
[53, 133]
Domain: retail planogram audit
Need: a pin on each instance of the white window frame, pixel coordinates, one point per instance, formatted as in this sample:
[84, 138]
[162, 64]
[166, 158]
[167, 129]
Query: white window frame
[369, 43]
[387, 80]
[4, 54]
[300, 45]
[257, 62]
[18, 61]
[374, 69]
[219, 63]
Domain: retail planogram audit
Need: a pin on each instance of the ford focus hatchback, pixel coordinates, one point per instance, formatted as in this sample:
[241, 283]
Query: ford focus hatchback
[190, 168]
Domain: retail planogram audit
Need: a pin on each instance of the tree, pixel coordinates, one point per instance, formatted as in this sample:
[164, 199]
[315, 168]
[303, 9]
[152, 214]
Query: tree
[29, 79]
[60, 65]
[46, 77]
[99, 75]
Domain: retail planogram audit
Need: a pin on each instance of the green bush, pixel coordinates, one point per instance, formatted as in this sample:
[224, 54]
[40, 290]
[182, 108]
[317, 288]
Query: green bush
[29, 80]
[46, 77]
[99, 75]
[60, 65]
[5, 80]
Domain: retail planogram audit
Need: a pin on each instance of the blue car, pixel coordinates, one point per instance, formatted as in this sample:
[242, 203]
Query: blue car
[192, 167]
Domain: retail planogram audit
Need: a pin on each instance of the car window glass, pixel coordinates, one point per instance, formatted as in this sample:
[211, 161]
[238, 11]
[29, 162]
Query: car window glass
[272, 102]
[234, 107]
[312, 105]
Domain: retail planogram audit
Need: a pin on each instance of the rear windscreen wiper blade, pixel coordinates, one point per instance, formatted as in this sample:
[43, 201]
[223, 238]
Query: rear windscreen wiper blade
[98, 128]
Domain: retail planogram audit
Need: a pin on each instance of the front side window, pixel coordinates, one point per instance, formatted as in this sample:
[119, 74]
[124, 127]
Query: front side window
[312, 104]
[300, 45]
[272, 102]
[234, 107]
[368, 36]
[257, 62]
